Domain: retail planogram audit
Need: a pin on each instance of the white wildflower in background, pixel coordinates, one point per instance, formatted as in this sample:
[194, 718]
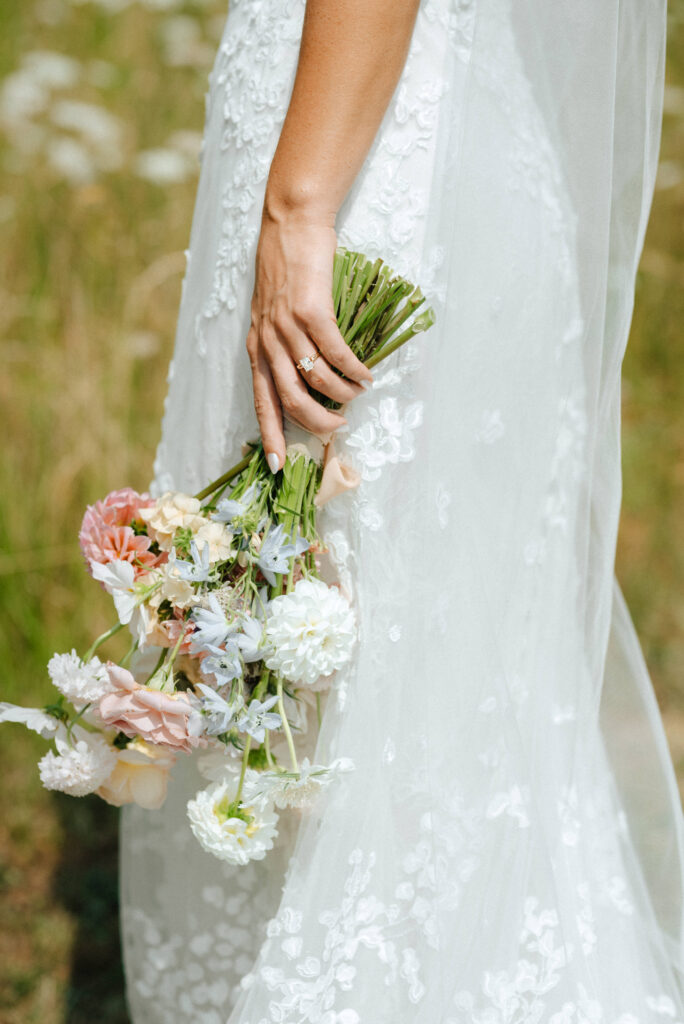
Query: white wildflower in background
[96, 127]
[53, 70]
[79, 767]
[236, 835]
[71, 160]
[80, 682]
[183, 43]
[162, 166]
[311, 631]
[295, 789]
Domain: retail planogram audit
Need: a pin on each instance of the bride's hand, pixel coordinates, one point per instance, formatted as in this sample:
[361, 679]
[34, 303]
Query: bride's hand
[293, 317]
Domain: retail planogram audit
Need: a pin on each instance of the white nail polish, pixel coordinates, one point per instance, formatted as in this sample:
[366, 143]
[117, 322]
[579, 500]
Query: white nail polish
[344, 429]
[273, 462]
[366, 384]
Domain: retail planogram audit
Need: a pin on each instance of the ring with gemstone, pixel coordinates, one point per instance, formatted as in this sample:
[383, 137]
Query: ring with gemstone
[306, 363]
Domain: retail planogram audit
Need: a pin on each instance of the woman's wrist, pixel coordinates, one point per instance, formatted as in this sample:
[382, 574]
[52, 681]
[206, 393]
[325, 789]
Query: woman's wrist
[303, 200]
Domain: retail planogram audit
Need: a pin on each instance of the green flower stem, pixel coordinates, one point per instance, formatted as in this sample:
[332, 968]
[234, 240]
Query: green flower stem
[286, 726]
[421, 323]
[243, 770]
[267, 750]
[160, 661]
[168, 675]
[101, 639]
[126, 660]
[226, 477]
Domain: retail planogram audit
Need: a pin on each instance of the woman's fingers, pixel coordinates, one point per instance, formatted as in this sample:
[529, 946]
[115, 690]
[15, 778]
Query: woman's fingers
[266, 404]
[321, 377]
[297, 404]
[324, 332]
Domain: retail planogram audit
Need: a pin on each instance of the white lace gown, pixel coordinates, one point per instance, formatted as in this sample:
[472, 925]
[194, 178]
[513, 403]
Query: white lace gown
[508, 849]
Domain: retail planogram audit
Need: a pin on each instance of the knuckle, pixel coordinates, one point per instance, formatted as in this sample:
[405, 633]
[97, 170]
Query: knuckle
[281, 320]
[261, 407]
[252, 345]
[315, 379]
[291, 402]
[309, 311]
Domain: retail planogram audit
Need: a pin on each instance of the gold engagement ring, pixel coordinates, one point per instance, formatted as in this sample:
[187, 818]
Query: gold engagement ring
[306, 363]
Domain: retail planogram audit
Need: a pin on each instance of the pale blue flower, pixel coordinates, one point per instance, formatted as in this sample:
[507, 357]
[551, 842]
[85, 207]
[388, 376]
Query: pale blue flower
[213, 628]
[197, 571]
[277, 550]
[257, 718]
[220, 714]
[225, 665]
[249, 639]
[229, 509]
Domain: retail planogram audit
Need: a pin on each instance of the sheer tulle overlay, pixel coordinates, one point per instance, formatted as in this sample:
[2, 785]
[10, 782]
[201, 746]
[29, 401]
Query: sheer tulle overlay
[510, 846]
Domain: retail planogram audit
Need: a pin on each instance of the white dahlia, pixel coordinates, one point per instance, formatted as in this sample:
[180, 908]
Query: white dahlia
[79, 767]
[311, 631]
[235, 834]
[80, 682]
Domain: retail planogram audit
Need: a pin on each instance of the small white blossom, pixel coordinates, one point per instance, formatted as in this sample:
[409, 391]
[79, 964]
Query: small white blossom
[33, 718]
[219, 830]
[295, 789]
[311, 631]
[220, 714]
[118, 578]
[79, 767]
[80, 682]
[276, 551]
[213, 628]
[257, 717]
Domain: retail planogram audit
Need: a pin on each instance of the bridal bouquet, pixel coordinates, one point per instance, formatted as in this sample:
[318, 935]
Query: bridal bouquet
[233, 631]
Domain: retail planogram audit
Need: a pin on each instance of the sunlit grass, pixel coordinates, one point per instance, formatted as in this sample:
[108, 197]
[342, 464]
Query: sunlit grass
[90, 270]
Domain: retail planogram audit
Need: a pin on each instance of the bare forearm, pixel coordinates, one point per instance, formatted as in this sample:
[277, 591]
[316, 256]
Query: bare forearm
[351, 56]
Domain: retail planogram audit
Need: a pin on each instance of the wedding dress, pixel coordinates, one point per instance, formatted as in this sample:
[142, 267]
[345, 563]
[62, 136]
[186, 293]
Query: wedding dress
[510, 846]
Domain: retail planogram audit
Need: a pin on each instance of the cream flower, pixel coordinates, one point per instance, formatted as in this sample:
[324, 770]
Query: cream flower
[234, 835]
[140, 776]
[80, 682]
[311, 631]
[171, 512]
[174, 589]
[219, 539]
[79, 767]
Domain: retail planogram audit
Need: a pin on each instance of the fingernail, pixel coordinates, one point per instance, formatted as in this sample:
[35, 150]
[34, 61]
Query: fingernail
[344, 429]
[366, 384]
[273, 462]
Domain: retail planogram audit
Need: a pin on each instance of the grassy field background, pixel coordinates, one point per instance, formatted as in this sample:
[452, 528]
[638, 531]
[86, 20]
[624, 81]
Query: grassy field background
[101, 108]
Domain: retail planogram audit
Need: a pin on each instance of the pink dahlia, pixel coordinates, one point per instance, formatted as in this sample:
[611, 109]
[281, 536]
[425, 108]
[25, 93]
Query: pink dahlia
[106, 533]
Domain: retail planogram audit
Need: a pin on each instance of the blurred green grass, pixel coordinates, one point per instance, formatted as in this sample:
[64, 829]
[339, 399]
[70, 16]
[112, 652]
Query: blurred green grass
[90, 271]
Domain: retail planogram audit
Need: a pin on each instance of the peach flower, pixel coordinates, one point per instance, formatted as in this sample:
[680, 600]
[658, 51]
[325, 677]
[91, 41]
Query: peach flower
[106, 532]
[154, 716]
[140, 776]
